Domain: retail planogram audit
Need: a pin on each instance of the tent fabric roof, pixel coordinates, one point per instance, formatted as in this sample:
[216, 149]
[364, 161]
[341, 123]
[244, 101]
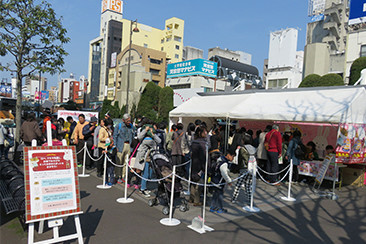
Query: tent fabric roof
[331, 105]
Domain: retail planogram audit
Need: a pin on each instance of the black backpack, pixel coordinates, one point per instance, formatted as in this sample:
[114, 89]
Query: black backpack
[300, 151]
[213, 163]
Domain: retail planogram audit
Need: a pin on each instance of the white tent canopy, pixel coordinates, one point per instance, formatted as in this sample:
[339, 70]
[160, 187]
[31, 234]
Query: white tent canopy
[319, 104]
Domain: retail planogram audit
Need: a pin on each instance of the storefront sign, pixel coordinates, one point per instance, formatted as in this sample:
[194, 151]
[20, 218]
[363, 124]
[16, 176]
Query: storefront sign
[351, 144]
[52, 187]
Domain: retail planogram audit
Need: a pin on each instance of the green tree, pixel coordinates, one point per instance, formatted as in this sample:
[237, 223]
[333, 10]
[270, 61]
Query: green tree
[34, 38]
[149, 102]
[355, 73]
[165, 103]
[331, 80]
[310, 80]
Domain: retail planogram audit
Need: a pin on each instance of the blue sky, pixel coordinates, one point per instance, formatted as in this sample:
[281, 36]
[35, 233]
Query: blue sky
[233, 24]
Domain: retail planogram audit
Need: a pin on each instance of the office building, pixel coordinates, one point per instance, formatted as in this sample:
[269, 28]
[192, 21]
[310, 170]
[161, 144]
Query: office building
[326, 37]
[285, 63]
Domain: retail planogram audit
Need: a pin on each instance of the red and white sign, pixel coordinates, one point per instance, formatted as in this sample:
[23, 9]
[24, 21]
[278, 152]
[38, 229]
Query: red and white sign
[52, 187]
[75, 114]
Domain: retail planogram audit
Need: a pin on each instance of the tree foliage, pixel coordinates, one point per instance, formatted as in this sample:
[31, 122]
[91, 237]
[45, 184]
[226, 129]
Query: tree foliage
[331, 80]
[355, 73]
[310, 80]
[149, 102]
[165, 103]
[113, 110]
[315, 80]
[33, 37]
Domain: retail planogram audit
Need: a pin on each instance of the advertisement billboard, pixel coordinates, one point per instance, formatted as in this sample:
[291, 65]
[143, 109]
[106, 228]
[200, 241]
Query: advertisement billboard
[282, 48]
[357, 12]
[6, 91]
[45, 95]
[192, 67]
[316, 7]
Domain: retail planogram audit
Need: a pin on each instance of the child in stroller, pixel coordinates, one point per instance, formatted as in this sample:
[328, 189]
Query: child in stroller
[162, 167]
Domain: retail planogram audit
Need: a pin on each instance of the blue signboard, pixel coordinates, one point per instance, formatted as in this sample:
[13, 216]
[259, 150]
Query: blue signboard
[317, 17]
[6, 91]
[192, 67]
[45, 95]
[357, 12]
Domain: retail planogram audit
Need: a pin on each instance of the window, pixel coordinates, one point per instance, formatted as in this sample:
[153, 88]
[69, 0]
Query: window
[177, 56]
[162, 49]
[277, 83]
[177, 47]
[155, 61]
[162, 40]
[177, 38]
[168, 39]
[180, 86]
[145, 45]
[207, 89]
[363, 51]
[154, 71]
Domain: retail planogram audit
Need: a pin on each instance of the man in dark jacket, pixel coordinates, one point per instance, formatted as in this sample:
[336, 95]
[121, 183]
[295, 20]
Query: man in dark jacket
[88, 132]
[72, 127]
[30, 130]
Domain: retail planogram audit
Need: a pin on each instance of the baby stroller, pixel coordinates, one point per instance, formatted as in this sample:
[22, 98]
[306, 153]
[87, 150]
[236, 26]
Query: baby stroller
[162, 167]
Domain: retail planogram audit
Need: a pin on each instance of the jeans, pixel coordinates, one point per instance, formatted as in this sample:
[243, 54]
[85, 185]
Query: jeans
[110, 174]
[217, 198]
[146, 174]
[272, 166]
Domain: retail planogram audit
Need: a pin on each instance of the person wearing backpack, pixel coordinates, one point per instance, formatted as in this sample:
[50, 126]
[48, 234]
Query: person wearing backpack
[243, 159]
[220, 175]
[290, 154]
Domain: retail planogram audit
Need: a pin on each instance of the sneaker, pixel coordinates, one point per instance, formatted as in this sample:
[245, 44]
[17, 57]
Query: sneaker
[213, 210]
[233, 201]
[222, 210]
[110, 183]
[80, 165]
[136, 187]
[128, 185]
[119, 181]
[145, 193]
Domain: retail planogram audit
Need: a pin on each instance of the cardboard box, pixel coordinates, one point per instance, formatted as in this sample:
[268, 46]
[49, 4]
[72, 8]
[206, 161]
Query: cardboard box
[353, 176]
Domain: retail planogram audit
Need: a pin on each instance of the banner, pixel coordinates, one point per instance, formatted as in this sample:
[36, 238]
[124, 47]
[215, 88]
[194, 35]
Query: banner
[75, 114]
[351, 144]
[52, 187]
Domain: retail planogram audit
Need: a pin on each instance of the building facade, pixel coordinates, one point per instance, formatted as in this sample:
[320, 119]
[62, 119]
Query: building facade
[326, 38]
[238, 56]
[192, 53]
[285, 63]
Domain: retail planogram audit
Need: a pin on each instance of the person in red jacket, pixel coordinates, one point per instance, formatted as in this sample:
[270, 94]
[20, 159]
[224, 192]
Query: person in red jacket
[274, 140]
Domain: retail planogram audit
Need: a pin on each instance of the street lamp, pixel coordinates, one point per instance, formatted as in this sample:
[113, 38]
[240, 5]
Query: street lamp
[129, 59]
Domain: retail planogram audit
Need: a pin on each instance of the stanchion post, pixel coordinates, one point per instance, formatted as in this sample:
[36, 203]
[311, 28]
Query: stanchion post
[171, 221]
[251, 208]
[188, 192]
[104, 186]
[84, 158]
[125, 199]
[289, 198]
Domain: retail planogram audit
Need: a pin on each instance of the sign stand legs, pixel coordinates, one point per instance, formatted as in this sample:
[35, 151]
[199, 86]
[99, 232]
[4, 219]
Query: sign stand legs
[55, 224]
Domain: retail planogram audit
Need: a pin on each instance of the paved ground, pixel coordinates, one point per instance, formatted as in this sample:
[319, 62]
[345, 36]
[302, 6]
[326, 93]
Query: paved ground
[311, 219]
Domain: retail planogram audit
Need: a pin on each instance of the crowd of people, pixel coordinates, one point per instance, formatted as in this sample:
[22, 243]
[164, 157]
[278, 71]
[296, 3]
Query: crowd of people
[131, 141]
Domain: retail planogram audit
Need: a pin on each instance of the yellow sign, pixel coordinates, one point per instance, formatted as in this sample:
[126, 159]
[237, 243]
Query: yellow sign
[113, 5]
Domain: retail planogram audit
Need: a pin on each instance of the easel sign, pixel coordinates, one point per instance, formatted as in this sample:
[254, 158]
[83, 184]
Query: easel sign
[51, 181]
[51, 190]
[323, 169]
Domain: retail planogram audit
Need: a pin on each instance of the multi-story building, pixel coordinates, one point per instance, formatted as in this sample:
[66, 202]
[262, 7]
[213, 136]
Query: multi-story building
[285, 63]
[115, 34]
[192, 53]
[53, 94]
[238, 56]
[71, 90]
[326, 37]
[146, 65]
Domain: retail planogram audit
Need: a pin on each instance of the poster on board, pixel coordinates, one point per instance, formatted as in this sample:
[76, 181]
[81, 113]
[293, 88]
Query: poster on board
[323, 168]
[351, 144]
[52, 187]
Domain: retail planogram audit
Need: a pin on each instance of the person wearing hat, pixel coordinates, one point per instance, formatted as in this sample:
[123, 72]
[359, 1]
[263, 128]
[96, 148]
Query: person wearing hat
[105, 135]
[88, 133]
